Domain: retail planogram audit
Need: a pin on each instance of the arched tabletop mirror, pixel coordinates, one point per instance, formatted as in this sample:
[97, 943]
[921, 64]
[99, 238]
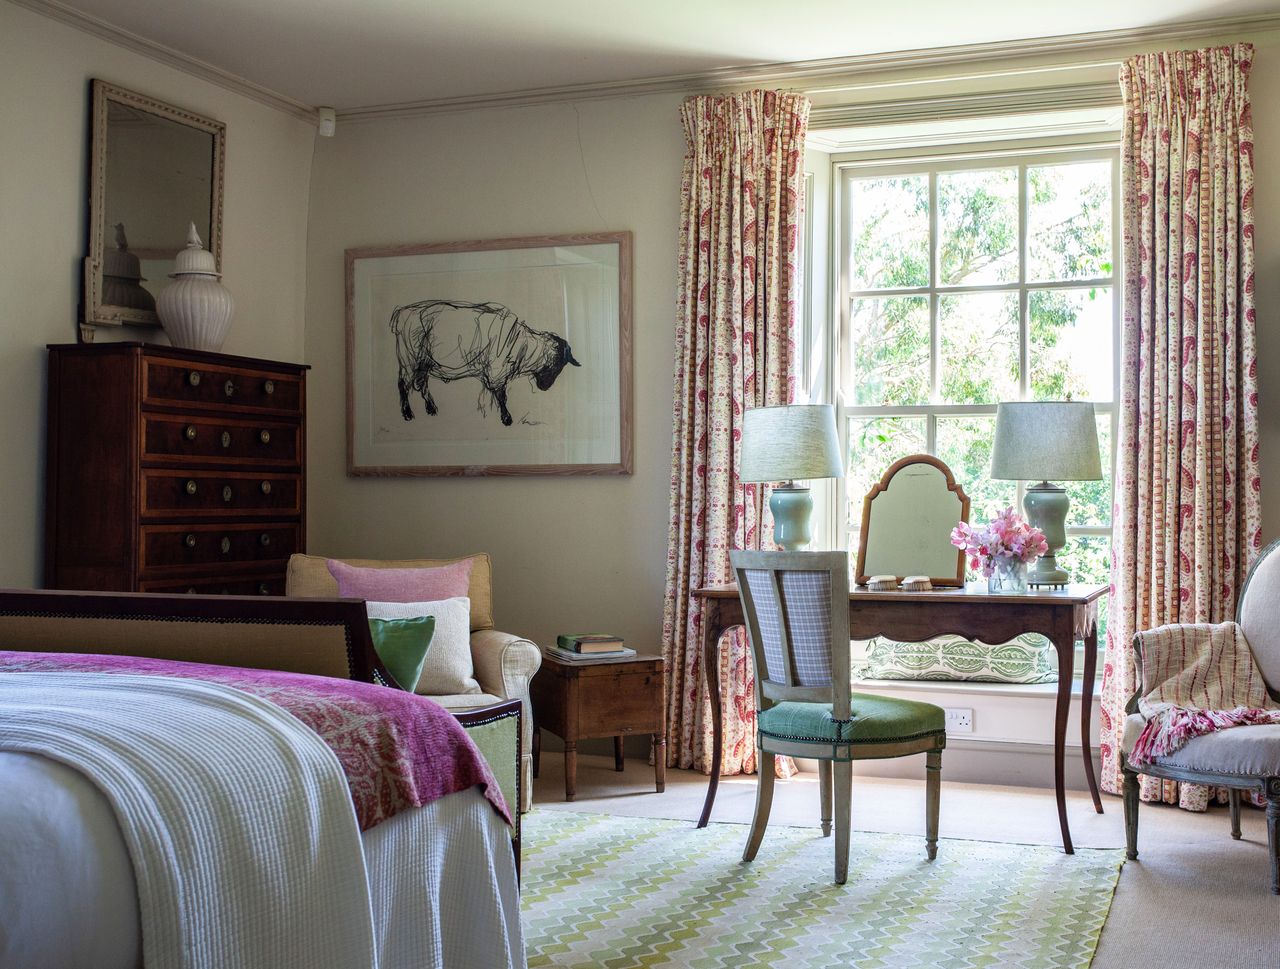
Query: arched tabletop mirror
[154, 169]
[907, 518]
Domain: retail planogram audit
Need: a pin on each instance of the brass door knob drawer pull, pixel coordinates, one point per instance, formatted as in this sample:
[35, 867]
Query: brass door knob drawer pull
[193, 379]
[226, 493]
[229, 388]
[269, 386]
[190, 432]
[226, 439]
[192, 487]
[265, 539]
[225, 545]
[264, 436]
[263, 589]
[266, 487]
[190, 540]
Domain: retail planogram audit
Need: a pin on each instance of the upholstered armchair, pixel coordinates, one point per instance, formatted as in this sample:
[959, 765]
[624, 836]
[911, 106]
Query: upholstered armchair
[504, 663]
[1242, 758]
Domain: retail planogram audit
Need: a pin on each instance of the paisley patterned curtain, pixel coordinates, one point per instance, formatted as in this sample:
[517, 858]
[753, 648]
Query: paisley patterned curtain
[740, 215]
[1187, 489]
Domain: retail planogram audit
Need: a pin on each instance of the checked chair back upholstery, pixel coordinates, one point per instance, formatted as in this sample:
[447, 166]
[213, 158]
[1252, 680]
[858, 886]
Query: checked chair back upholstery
[796, 605]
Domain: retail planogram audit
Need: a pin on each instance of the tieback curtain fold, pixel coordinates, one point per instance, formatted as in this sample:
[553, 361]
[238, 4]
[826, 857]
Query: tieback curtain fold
[741, 205]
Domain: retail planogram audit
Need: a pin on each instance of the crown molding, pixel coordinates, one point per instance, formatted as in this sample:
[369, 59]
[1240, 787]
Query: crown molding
[815, 72]
[169, 56]
[797, 74]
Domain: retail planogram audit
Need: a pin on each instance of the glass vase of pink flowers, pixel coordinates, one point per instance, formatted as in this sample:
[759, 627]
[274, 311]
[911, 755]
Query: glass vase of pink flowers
[1002, 550]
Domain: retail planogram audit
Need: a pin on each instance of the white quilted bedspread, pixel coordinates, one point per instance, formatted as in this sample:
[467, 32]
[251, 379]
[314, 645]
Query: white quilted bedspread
[224, 858]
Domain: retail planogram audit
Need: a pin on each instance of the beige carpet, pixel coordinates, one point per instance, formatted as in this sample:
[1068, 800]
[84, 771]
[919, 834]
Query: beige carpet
[1195, 898]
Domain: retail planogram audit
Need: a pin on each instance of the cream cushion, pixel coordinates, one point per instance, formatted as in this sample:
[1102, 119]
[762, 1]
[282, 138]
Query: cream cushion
[448, 668]
[308, 577]
[1250, 751]
[465, 701]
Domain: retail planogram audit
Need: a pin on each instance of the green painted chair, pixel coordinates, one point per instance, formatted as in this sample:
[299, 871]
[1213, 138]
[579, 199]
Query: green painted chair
[796, 605]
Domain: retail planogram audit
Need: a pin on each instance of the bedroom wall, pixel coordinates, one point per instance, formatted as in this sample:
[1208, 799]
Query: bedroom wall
[45, 67]
[568, 553]
[586, 553]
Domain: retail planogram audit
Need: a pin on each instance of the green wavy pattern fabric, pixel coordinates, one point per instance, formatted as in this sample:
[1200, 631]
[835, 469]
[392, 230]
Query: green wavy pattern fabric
[609, 892]
[1027, 659]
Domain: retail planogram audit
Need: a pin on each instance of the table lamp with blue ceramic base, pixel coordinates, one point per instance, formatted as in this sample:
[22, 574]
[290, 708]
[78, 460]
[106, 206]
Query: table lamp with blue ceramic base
[1052, 440]
[789, 443]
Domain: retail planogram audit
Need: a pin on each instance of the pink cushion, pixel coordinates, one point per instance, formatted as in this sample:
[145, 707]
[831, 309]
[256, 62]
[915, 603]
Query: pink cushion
[402, 585]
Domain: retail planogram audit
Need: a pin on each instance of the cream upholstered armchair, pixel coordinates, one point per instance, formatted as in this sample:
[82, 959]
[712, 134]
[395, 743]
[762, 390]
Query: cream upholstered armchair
[504, 663]
[1240, 758]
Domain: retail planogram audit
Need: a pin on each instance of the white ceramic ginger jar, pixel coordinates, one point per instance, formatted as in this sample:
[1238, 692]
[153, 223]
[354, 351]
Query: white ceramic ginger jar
[195, 309]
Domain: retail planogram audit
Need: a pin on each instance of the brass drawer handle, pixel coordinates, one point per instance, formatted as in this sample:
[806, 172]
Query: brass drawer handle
[193, 378]
[226, 493]
[229, 388]
[269, 386]
[225, 545]
[226, 439]
[266, 487]
[264, 589]
[264, 436]
[190, 432]
[190, 540]
[265, 539]
[191, 486]
[191, 590]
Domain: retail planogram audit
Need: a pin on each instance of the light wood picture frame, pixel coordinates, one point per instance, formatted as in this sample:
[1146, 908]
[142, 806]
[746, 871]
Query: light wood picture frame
[153, 169]
[490, 357]
[911, 534]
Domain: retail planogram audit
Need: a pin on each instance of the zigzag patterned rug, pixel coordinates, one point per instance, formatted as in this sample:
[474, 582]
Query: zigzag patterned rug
[610, 892]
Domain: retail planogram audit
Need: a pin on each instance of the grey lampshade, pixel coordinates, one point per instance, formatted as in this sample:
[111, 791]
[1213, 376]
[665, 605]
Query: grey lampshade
[788, 442]
[1046, 441]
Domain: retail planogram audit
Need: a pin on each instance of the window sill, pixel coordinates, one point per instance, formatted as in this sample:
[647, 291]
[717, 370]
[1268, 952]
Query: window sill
[1047, 691]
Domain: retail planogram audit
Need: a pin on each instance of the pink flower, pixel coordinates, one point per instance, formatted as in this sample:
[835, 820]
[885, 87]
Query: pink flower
[1007, 535]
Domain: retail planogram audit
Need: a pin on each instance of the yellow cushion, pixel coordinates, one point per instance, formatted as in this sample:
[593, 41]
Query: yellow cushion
[309, 577]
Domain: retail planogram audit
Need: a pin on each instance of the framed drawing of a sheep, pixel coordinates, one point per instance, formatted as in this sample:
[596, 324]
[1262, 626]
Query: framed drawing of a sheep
[496, 357]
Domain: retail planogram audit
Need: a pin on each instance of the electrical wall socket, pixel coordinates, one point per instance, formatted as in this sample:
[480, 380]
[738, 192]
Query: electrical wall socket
[959, 719]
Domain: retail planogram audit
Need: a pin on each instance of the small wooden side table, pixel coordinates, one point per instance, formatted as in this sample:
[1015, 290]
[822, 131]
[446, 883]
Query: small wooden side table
[604, 697]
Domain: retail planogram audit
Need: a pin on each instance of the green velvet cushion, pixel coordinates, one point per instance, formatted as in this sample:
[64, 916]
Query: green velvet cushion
[402, 646]
[875, 719]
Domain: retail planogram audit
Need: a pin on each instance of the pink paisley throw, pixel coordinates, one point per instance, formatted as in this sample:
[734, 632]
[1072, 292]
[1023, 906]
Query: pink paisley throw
[398, 750]
[1200, 677]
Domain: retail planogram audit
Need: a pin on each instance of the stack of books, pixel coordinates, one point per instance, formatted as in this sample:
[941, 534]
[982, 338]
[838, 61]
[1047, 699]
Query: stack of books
[580, 647]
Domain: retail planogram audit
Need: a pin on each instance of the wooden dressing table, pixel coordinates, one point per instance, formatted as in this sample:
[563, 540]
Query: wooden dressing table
[1063, 615]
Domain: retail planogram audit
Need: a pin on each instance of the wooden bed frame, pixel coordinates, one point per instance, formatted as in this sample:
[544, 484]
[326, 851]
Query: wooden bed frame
[114, 622]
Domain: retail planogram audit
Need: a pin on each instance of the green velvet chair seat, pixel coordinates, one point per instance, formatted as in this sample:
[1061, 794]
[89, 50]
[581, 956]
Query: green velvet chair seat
[875, 719]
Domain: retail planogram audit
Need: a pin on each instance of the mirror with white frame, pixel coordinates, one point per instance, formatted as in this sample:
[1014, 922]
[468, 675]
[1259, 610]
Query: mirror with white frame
[154, 170]
[907, 519]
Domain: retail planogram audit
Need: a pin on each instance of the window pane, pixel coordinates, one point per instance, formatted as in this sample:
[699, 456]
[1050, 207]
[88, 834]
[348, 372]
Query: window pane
[874, 444]
[1091, 500]
[889, 232]
[1071, 344]
[890, 350]
[1087, 560]
[1069, 221]
[964, 443]
[979, 333]
[978, 227]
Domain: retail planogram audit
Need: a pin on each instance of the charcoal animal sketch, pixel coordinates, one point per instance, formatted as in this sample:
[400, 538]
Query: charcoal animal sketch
[448, 340]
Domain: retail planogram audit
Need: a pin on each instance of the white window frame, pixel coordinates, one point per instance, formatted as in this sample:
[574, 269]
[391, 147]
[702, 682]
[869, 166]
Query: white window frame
[848, 518]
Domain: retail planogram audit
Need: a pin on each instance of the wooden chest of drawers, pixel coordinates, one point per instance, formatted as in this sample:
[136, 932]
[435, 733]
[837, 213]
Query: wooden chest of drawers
[173, 470]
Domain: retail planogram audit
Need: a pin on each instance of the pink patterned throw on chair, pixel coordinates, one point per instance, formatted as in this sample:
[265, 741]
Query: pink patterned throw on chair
[1199, 677]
